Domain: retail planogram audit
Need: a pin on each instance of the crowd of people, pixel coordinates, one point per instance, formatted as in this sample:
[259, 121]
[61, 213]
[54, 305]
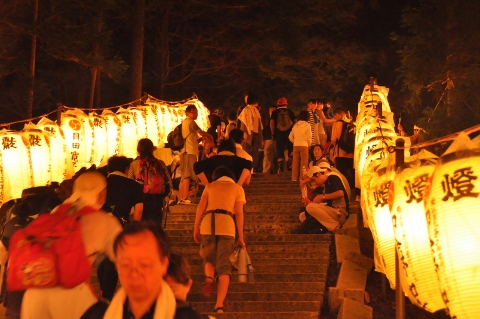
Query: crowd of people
[123, 234]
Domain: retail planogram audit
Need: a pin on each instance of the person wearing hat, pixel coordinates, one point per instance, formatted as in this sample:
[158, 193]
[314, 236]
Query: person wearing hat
[99, 230]
[418, 136]
[281, 123]
[332, 206]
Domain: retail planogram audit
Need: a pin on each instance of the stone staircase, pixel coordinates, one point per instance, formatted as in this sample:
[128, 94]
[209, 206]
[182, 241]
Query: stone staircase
[290, 269]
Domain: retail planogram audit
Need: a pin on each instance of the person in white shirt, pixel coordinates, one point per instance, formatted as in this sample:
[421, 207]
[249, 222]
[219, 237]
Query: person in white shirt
[301, 137]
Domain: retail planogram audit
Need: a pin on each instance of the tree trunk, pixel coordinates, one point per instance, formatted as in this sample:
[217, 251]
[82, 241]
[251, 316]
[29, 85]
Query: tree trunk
[33, 56]
[136, 67]
[92, 87]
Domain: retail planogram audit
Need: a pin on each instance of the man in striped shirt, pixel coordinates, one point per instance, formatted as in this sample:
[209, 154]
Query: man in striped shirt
[313, 120]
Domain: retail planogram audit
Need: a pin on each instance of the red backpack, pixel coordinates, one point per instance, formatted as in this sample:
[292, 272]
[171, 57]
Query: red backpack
[49, 252]
[152, 175]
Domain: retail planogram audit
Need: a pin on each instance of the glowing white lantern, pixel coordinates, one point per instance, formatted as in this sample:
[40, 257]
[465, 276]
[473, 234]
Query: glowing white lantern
[15, 163]
[129, 133]
[72, 127]
[381, 220]
[153, 123]
[368, 147]
[417, 270]
[89, 135]
[114, 133]
[140, 117]
[453, 218]
[101, 142]
[39, 154]
[61, 164]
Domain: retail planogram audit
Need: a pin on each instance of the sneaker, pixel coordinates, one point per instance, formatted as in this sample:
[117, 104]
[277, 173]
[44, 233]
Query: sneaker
[185, 201]
[218, 310]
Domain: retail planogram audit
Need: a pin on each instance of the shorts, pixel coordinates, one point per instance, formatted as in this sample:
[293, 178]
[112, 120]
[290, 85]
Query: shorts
[219, 257]
[186, 166]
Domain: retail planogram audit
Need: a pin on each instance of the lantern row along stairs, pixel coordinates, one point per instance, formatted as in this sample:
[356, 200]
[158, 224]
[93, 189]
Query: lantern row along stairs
[48, 151]
[290, 270]
[425, 212]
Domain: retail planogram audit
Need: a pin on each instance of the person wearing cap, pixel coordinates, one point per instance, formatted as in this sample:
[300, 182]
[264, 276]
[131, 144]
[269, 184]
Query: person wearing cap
[332, 206]
[99, 230]
[280, 135]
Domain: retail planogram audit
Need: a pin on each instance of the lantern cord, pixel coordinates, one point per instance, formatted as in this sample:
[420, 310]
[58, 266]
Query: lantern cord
[102, 108]
[194, 96]
[443, 139]
[30, 119]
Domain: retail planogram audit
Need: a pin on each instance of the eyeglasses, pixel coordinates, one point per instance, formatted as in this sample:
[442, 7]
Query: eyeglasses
[141, 269]
[416, 129]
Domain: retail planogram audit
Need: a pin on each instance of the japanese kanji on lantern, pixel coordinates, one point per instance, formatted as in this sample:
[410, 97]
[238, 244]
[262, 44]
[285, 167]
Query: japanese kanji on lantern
[452, 210]
[114, 133]
[16, 169]
[129, 132]
[72, 127]
[381, 220]
[417, 270]
[101, 141]
[61, 164]
[38, 154]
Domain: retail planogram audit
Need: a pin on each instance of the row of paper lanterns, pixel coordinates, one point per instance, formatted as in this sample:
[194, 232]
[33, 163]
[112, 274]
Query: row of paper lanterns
[427, 211]
[48, 152]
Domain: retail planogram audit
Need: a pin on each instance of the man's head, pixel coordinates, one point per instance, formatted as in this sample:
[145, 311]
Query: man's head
[417, 130]
[142, 252]
[191, 112]
[236, 135]
[319, 174]
[252, 99]
[312, 104]
[303, 116]
[282, 102]
[232, 116]
[339, 113]
[118, 164]
[90, 188]
[178, 276]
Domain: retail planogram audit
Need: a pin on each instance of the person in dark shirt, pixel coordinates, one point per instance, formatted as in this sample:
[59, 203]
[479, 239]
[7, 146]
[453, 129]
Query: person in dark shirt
[215, 129]
[226, 157]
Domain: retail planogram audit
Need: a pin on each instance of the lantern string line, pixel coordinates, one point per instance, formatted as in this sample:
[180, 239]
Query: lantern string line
[64, 107]
[443, 139]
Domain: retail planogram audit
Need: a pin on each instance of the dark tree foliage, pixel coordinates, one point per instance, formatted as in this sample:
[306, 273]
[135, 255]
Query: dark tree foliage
[440, 64]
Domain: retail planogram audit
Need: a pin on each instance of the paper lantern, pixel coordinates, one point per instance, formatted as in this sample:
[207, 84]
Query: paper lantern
[89, 137]
[101, 143]
[16, 166]
[452, 210]
[38, 154]
[153, 123]
[140, 118]
[114, 133]
[61, 164]
[129, 132]
[366, 148]
[417, 270]
[72, 127]
[381, 220]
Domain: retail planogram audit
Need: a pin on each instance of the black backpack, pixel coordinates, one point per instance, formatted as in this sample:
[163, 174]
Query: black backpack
[284, 122]
[347, 139]
[175, 138]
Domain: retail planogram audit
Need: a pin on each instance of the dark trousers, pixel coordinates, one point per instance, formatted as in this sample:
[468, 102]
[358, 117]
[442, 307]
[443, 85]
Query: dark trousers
[345, 166]
[252, 144]
[282, 143]
[153, 207]
[107, 278]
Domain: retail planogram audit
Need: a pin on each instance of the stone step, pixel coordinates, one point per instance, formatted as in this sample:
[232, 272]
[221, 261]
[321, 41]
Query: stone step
[262, 287]
[278, 277]
[276, 269]
[263, 306]
[269, 238]
[274, 261]
[267, 315]
[345, 244]
[249, 207]
[269, 248]
[280, 228]
[273, 191]
[351, 309]
[263, 296]
[257, 218]
[280, 254]
[269, 198]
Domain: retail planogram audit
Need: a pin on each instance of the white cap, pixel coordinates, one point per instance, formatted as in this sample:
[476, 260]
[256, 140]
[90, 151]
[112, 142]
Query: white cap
[86, 188]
